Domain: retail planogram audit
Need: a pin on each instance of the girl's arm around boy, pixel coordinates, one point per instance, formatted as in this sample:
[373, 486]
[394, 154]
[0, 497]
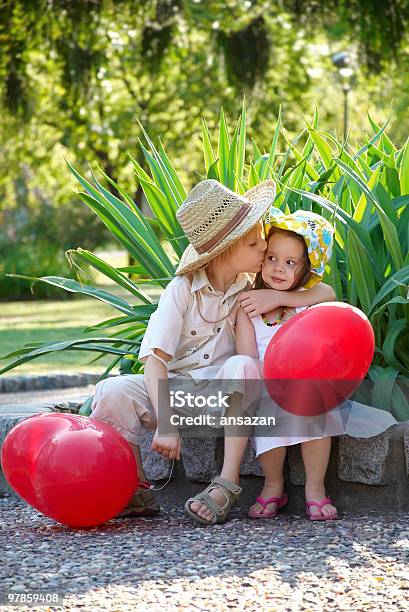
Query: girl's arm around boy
[258, 301]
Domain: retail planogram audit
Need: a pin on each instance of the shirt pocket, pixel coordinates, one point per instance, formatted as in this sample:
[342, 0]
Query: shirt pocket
[193, 337]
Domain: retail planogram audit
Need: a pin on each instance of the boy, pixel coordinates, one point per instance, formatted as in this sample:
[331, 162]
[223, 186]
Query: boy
[190, 339]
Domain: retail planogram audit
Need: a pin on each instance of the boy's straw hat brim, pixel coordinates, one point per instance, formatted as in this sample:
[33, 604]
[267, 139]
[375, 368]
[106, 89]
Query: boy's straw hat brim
[260, 198]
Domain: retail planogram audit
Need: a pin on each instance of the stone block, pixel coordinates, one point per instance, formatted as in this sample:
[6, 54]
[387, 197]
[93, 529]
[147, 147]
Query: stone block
[250, 465]
[155, 466]
[200, 458]
[295, 465]
[406, 448]
[363, 460]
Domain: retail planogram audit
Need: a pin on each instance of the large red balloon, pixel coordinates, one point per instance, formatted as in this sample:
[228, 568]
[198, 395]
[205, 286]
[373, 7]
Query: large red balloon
[76, 470]
[318, 358]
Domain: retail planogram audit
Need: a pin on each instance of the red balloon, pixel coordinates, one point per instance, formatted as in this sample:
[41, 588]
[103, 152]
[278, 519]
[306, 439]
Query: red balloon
[79, 471]
[318, 358]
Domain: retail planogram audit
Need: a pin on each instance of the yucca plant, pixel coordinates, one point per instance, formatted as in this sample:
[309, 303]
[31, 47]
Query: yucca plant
[364, 191]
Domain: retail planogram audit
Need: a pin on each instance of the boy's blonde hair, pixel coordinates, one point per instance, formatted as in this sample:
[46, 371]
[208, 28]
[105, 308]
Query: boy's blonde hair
[242, 240]
[305, 273]
[227, 253]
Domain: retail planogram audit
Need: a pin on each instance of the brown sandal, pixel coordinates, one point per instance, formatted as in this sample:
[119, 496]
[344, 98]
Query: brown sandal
[142, 503]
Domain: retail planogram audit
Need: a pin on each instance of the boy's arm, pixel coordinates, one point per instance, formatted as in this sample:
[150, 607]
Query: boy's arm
[156, 374]
[245, 336]
[158, 346]
[258, 301]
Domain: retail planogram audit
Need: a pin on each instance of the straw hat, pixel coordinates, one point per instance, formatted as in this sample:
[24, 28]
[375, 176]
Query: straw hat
[213, 217]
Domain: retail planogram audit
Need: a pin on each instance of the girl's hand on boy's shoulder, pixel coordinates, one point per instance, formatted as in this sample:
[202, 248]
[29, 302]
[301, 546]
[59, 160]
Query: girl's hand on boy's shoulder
[258, 301]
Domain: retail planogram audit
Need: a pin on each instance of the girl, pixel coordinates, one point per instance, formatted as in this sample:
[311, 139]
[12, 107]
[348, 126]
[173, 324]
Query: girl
[299, 246]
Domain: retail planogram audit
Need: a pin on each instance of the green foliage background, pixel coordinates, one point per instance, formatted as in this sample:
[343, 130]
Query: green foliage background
[77, 74]
[364, 191]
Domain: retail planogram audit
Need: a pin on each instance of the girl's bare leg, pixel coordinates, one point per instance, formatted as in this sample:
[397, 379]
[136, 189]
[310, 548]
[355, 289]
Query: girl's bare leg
[272, 463]
[315, 454]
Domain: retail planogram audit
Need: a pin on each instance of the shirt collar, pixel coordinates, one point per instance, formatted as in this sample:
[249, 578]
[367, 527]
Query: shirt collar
[239, 284]
[200, 280]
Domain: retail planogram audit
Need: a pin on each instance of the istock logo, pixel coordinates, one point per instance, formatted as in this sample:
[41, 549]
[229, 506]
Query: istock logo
[178, 399]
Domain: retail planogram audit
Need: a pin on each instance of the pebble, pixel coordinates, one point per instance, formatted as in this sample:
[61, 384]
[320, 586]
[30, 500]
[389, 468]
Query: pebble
[169, 563]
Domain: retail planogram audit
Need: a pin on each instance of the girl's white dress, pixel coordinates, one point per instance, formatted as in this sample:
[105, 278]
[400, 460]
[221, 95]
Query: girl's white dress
[350, 417]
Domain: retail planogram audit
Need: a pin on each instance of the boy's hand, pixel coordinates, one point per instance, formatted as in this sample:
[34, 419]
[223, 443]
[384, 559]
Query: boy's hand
[256, 302]
[168, 446]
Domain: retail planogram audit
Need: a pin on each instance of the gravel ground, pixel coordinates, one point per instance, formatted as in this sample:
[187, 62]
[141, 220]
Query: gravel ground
[167, 563]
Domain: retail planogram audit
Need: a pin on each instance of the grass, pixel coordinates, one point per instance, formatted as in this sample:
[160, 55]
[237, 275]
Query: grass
[22, 322]
[49, 320]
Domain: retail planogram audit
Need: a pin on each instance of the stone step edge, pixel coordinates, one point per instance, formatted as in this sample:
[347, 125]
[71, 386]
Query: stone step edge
[44, 382]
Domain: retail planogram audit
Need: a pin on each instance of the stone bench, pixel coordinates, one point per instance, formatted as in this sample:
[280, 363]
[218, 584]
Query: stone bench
[364, 474]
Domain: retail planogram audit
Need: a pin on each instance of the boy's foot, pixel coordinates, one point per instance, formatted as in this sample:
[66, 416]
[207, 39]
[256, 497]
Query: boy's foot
[315, 495]
[214, 503]
[203, 511]
[268, 491]
[142, 503]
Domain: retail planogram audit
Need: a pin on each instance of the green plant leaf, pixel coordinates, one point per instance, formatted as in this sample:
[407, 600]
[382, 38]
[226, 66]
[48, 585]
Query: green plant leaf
[383, 388]
[359, 266]
[273, 147]
[241, 146]
[404, 170]
[388, 227]
[73, 286]
[213, 172]
[110, 272]
[209, 156]
[388, 347]
[223, 148]
[401, 276]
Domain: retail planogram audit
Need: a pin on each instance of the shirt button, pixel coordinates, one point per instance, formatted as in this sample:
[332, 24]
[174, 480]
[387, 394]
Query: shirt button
[210, 289]
[206, 356]
[218, 329]
[193, 332]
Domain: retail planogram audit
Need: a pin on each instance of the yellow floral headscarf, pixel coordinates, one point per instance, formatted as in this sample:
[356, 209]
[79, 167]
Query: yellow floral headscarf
[317, 232]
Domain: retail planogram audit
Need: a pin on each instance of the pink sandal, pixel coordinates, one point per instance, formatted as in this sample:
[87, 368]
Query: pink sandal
[319, 505]
[280, 501]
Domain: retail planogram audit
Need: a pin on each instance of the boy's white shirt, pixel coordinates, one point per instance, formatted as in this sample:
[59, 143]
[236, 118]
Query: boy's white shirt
[197, 348]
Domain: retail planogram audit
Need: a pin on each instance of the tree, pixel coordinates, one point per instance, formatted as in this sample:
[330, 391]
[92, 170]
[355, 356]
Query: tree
[77, 75]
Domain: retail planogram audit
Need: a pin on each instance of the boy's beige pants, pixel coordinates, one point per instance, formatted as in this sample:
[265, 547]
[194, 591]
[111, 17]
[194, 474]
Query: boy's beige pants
[123, 401]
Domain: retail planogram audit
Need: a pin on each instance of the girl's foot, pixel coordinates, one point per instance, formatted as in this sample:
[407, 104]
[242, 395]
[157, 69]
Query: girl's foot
[316, 494]
[274, 489]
